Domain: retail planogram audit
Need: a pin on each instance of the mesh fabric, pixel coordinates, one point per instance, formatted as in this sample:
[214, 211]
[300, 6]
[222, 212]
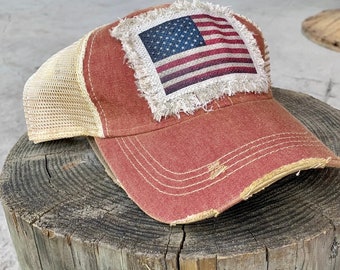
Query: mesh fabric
[56, 102]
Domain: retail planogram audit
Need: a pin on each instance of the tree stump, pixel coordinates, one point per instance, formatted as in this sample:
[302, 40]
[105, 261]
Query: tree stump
[64, 212]
[324, 29]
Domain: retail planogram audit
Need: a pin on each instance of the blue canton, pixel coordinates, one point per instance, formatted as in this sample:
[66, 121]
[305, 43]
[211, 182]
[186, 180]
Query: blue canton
[172, 37]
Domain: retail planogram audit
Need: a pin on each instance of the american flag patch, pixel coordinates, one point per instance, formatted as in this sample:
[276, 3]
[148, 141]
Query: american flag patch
[188, 54]
[195, 48]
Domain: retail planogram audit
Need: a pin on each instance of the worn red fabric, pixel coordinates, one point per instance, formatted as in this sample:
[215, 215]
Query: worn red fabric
[111, 85]
[185, 169]
[205, 163]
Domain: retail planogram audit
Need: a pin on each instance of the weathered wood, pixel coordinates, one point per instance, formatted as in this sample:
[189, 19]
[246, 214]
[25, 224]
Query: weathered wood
[64, 212]
[324, 29]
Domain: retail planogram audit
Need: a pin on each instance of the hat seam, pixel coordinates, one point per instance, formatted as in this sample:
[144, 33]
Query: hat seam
[294, 135]
[214, 181]
[206, 109]
[212, 164]
[93, 92]
[82, 84]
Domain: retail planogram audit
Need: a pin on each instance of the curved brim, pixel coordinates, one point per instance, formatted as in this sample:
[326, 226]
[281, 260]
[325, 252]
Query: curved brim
[204, 165]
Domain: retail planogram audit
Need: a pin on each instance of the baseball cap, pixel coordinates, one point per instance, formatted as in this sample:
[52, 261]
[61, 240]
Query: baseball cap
[176, 101]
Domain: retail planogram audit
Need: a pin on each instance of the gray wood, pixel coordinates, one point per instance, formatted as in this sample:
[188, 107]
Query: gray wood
[64, 212]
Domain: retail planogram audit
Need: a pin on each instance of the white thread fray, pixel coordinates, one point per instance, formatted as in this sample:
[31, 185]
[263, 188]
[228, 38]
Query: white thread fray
[198, 95]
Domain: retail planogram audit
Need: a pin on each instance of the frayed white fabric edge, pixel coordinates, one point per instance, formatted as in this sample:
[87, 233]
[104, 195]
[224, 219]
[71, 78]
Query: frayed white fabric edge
[197, 96]
[266, 64]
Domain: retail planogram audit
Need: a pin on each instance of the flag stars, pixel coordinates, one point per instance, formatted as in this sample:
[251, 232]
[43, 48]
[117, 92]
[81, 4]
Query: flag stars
[171, 37]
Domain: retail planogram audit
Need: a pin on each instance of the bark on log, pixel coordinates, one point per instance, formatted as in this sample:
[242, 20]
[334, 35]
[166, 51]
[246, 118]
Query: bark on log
[64, 212]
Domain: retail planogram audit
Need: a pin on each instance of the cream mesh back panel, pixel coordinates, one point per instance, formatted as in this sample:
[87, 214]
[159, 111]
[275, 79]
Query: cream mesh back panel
[56, 102]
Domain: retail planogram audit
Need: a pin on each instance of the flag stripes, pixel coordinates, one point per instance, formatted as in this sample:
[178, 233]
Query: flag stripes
[222, 52]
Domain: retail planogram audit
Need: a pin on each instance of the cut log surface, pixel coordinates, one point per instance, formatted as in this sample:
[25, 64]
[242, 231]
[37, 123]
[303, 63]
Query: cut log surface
[64, 212]
[324, 29]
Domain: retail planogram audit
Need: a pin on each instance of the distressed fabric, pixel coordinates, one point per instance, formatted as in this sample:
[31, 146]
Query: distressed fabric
[220, 50]
[188, 130]
[189, 54]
